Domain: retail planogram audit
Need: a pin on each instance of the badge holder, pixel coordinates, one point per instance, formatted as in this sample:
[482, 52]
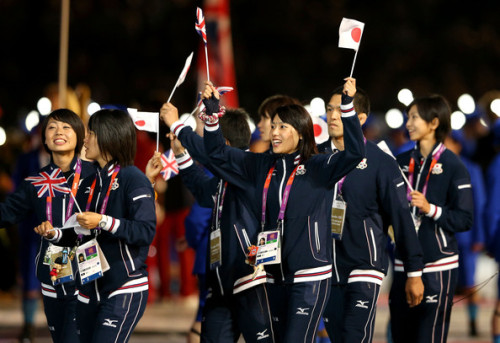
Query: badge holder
[61, 270]
[90, 262]
[269, 248]
[339, 207]
[215, 249]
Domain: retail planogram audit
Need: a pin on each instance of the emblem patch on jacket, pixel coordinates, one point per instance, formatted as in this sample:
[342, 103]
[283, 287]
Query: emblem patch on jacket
[437, 169]
[362, 164]
[301, 170]
[115, 185]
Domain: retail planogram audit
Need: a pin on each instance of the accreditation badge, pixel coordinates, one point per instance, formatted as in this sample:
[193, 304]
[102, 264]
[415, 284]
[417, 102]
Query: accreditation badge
[215, 249]
[59, 260]
[269, 244]
[338, 217]
[89, 261]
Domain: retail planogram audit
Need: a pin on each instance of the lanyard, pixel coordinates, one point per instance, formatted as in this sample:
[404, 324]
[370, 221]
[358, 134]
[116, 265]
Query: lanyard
[217, 209]
[106, 198]
[411, 169]
[286, 194]
[74, 189]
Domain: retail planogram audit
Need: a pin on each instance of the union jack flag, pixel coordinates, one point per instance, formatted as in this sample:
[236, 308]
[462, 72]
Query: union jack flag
[200, 24]
[54, 184]
[170, 167]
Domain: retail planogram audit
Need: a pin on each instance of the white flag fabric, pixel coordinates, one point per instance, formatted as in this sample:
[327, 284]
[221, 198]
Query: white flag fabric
[145, 121]
[350, 33]
[184, 72]
[385, 148]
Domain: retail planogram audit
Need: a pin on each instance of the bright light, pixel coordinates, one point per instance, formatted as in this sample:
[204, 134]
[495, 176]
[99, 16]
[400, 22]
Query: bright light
[251, 124]
[3, 136]
[44, 106]
[483, 122]
[495, 107]
[31, 120]
[92, 108]
[317, 107]
[466, 103]
[405, 96]
[457, 120]
[394, 118]
[188, 119]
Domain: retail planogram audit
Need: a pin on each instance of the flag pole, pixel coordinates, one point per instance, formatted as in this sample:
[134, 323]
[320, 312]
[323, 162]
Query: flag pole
[353, 62]
[206, 61]
[171, 94]
[76, 202]
[63, 53]
[158, 133]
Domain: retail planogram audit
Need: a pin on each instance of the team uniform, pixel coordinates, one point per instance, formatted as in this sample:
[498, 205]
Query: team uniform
[445, 182]
[37, 195]
[375, 194]
[289, 196]
[110, 306]
[237, 301]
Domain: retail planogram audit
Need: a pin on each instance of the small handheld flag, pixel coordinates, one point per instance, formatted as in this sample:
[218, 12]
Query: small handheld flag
[170, 167]
[182, 76]
[200, 24]
[350, 33]
[50, 184]
[145, 121]
[200, 27]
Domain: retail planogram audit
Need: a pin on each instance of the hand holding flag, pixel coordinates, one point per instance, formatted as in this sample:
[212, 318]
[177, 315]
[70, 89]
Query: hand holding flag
[200, 27]
[350, 33]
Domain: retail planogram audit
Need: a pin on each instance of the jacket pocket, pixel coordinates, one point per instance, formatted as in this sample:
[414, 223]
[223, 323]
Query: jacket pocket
[370, 240]
[315, 240]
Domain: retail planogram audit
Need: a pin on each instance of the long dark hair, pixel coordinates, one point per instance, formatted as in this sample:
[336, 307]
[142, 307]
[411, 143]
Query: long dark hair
[434, 106]
[300, 119]
[66, 116]
[116, 138]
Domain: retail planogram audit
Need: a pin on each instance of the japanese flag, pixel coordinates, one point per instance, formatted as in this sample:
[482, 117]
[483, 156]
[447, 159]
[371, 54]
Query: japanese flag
[184, 72]
[350, 32]
[145, 121]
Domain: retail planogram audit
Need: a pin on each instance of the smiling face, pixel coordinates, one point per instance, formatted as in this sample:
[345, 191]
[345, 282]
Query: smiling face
[60, 137]
[418, 128]
[285, 138]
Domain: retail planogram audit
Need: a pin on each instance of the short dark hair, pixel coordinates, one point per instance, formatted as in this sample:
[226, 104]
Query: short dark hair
[361, 99]
[116, 137]
[235, 128]
[66, 116]
[268, 107]
[434, 106]
[300, 119]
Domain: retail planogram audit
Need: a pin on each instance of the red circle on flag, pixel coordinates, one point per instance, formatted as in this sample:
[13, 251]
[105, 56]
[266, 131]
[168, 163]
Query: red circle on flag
[356, 34]
[140, 123]
[317, 130]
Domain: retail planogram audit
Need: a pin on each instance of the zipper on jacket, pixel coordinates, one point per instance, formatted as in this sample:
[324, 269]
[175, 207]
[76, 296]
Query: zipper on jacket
[282, 181]
[418, 181]
[443, 237]
[335, 260]
[374, 246]
[316, 236]
[219, 281]
[368, 240]
[97, 291]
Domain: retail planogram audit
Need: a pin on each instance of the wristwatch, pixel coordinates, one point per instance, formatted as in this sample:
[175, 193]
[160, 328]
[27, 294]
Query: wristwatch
[103, 221]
